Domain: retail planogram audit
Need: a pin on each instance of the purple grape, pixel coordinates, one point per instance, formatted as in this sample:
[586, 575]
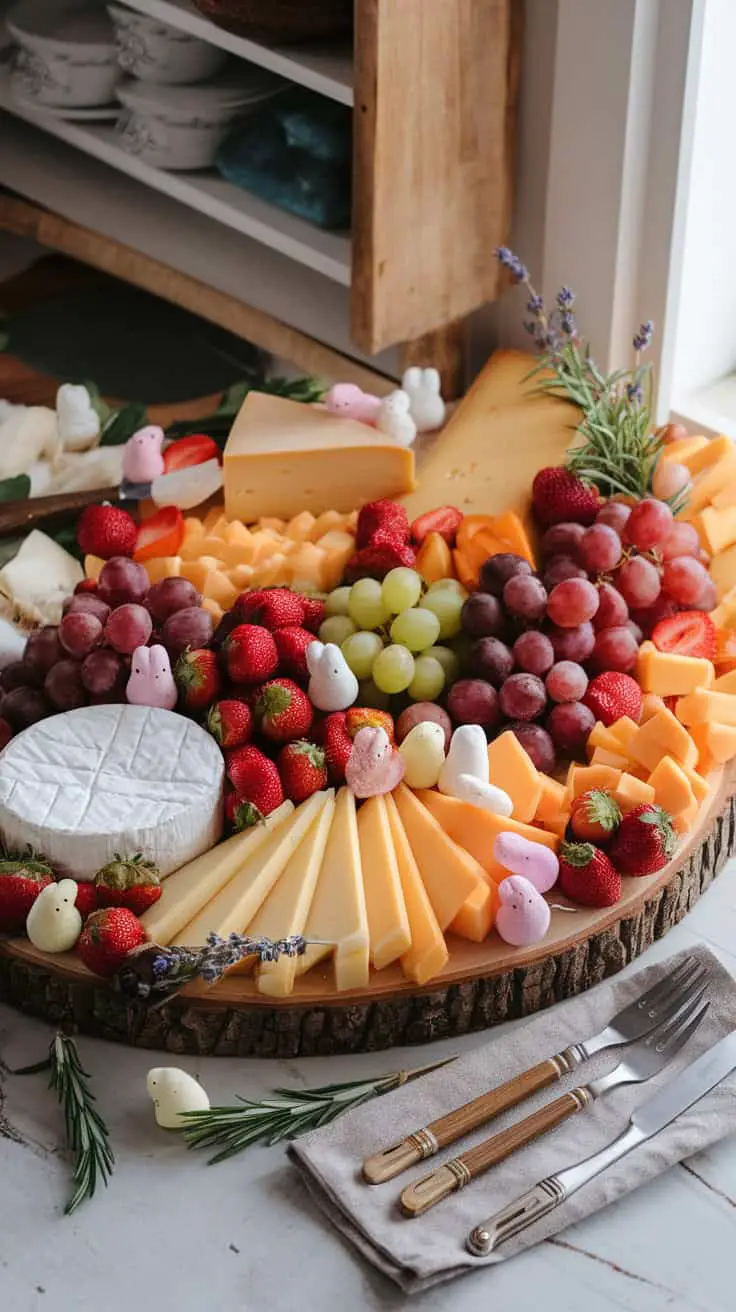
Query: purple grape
[525, 597]
[536, 743]
[498, 569]
[473, 701]
[43, 649]
[121, 580]
[64, 688]
[612, 609]
[490, 659]
[169, 596]
[560, 569]
[569, 725]
[191, 627]
[79, 632]
[128, 627]
[87, 603]
[522, 697]
[101, 671]
[19, 674]
[482, 616]
[24, 706]
[572, 644]
[562, 540]
[533, 652]
[566, 682]
[420, 712]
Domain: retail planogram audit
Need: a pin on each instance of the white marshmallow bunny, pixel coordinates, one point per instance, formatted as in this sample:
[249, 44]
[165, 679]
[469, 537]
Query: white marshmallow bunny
[394, 419]
[53, 923]
[465, 773]
[76, 417]
[332, 684]
[427, 406]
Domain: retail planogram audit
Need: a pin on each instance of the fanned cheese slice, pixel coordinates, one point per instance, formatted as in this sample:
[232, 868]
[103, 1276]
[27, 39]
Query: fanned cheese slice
[192, 886]
[428, 952]
[388, 922]
[449, 873]
[287, 906]
[338, 913]
[235, 906]
[477, 830]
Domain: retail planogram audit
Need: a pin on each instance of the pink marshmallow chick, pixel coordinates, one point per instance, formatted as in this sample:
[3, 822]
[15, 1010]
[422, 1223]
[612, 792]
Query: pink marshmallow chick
[142, 458]
[521, 856]
[151, 682]
[349, 402]
[523, 915]
[374, 766]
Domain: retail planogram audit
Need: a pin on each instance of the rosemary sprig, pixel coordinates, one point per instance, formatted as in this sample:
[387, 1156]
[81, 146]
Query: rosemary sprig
[288, 1113]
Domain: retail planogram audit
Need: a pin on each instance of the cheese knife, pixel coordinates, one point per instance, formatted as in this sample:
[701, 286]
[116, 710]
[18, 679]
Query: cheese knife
[648, 1119]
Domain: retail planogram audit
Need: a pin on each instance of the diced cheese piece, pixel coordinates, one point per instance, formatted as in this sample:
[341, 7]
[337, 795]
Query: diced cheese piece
[196, 571]
[272, 572]
[305, 567]
[601, 736]
[428, 953]
[551, 801]
[388, 922]
[683, 451]
[663, 735]
[233, 908]
[217, 585]
[213, 516]
[237, 553]
[710, 482]
[475, 918]
[719, 527]
[623, 731]
[300, 526]
[162, 567]
[512, 769]
[450, 874]
[476, 830]
[242, 576]
[669, 674]
[272, 524]
[213, 608]
[93, 566]
[338, 546]
[595, 775]
[328, 520]
[704, 706]
[212, 546]
[672, 790]
[236, 531]
[630, 792]
[191, 887]
[338, 917]
[39, 578]
[614, 760]
[286, 908]
[193, 527]
[286, 458]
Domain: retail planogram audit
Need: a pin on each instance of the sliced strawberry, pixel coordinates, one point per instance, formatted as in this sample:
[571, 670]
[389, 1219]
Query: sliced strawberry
[691, 633]
[445, 520]
[194, 450]
[161, 535]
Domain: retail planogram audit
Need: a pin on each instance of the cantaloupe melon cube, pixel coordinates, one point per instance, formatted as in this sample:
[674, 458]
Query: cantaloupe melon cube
[623, 730]
[271, 524]
[464, 569]
[598, 775]
[193, 527]
[724, 615]
[219, 588]
[664, 735]
[614, 760]
[513, 770]
[713, 478]
[323, 523]
[237, 553]
[213, 516]
[684, 822]
[705, 706]
[237, 531]
[669, 674]
[672, 789]
[434, 559]
[338, 547]
[718, 527]
[718, 738]
[706, 761]
[264, 546]
[191, 548]
[723, 571]
[162, 567]
[558, 825]
[551, 802]
[651, 705]
[213, 608]
[725, 682]
[306, 566]
[272, 573]
[630, 792]
[299, 528]
[701, 788]
[601, 736]
[685, 449]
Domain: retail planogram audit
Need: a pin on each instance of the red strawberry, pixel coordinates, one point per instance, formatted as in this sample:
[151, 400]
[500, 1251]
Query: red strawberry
[128, 882]
[256, 782]
[611, 695]
[250, 654]
[197, 677]
[380, 515]
[644, 842]
[690, 633]
[283, 710]
[367, 717]
[106, 939]
[21, 881]
[334, 737]
[86, 900]
[594, 816]
[560, 497]
[587, 875]
[273, 608]
[303, 769]
[87, 585]
[106, 531]
[291, 645]
[446, 521]
[385, 553]
[188, 451]
[314, 613]
[230, 722]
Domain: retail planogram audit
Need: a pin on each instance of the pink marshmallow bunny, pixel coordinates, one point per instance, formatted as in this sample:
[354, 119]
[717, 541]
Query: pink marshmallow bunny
[151, 682]
[523, 915]
[349, 402]
[374, 766]
[142, 458]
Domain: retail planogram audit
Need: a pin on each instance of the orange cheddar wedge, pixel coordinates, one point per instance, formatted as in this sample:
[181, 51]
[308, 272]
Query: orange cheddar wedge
[672, 789]
[664, 735]
[388, 922]
[669, 674]
[434, 559]
[513, 770]
[630, 792]
[476, 830]
[510, 529]
[428, 953]
[552, 801]
[449, 873]
[595, 775]
[475, 918]
[703, 706]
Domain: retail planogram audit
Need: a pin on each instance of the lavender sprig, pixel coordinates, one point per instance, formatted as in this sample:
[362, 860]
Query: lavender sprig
[153, 972]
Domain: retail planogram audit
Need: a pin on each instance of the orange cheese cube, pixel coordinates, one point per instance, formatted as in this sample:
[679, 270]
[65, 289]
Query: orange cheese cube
[551, 802]
[323, 523]
[213, 517]
[272, 572]
[191, 548]
[513, 770]
[211, 546]
[475, 918]
[670, 675]
[193, 527]
[718, 526]
[162, 567]
[704, 706]
[714, 477]
[300, 526]
[236, 531]
[595, 775]
[614, 760]
[428, 952]
[601, 736]
[672, 790]
[663, 735]
[272, 524]
[476, 831]
[510, 529]
[305, 570]
[213, 608]
[434, 559]
[651, 704]
[218, 587]
[630, 792]
[236, 553]
[623, 731]
[449, 873]
[196, 571]
[242, 577]
[708, 454]
[685, 449]
[338, 546]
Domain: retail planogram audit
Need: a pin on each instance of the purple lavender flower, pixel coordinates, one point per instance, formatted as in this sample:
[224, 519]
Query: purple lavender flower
[635, 393]
[565, 299]
[535, 305]
[643, 338]
[506, 257]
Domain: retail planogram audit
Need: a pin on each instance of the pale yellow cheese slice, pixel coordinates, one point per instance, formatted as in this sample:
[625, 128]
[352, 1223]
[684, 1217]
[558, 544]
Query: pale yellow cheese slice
[338, 913]
[185, 891]
[287, 906]
[428, 953]
[450, 874]
[237, 903]
[388, 922]
[283, 457]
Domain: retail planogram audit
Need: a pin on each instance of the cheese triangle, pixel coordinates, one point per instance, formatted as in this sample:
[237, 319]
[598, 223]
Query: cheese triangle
[388, 922]
[428, 952]
[338, 917]
[450, 875]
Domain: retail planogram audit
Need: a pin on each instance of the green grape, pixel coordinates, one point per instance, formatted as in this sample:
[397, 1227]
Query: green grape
[448, 585]
[416, 628]
[336, 629]
[449, 661]
[360, 651]
[366, 605]
[336, 602]
[401, 589]
[447, 606]
[370, 695]
[393, 669]
[428, 681]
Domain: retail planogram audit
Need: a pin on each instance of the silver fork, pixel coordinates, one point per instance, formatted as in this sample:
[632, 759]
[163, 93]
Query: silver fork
[642, 1059]
[633, 1021]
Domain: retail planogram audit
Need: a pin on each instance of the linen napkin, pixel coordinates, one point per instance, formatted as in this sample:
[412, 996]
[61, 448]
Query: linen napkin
[421, 1252]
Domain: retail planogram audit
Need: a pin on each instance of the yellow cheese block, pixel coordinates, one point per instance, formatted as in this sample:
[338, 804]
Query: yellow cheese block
[670, 675]
[672, 789]
[664, 735]
[450, 874]
[476, 831]
[283, 458]
[705, 706]
[512, 769]
[428, 953]
[185, 891]
[630, 792]
[234, 907]
[338, 916]
[388, 922]
[286, 908]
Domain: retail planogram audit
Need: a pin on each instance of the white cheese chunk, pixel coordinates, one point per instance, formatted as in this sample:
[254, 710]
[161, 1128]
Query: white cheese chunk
[39, 578]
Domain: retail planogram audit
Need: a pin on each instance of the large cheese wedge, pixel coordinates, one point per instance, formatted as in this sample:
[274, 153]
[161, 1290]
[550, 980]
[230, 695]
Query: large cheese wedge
[476, 830]
[283, 457]
[388, 922]
[705, 706]
[428, 953]
[663, 735]
[338, 917]
[233, 909]
[669, 674]
[286, 908]
[191, 887]
[512, 769]
[450, 874]
[671, 786]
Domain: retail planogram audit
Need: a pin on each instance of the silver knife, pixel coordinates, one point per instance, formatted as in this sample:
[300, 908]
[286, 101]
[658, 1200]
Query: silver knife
[647, 1120]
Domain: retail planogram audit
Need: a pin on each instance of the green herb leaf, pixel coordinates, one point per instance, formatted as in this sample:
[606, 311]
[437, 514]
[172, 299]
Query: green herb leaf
[123, 425]
[15, 489]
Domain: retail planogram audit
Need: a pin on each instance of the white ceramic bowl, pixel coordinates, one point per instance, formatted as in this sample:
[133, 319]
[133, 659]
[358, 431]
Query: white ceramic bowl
[67, 54]
[155, 52]
[174, 127]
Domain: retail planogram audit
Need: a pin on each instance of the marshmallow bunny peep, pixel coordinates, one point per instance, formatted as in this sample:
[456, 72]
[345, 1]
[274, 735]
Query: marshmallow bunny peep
[142, 458]
[394, 418]
[332, 684]
[151, 682]
[423, 389]
[348, 402]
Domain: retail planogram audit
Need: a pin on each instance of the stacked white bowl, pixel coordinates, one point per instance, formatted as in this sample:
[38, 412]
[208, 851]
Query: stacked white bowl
[66, 56]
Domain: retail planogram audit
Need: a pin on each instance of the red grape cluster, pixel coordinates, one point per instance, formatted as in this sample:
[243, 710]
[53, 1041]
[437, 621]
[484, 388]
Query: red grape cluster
[538, 637]
[85, 659]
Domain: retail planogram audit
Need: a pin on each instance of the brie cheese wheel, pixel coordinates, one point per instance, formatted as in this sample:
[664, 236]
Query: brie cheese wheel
[81, 786]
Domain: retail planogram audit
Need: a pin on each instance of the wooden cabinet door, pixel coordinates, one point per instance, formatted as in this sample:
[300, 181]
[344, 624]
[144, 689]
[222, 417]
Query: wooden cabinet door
[435, 87]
